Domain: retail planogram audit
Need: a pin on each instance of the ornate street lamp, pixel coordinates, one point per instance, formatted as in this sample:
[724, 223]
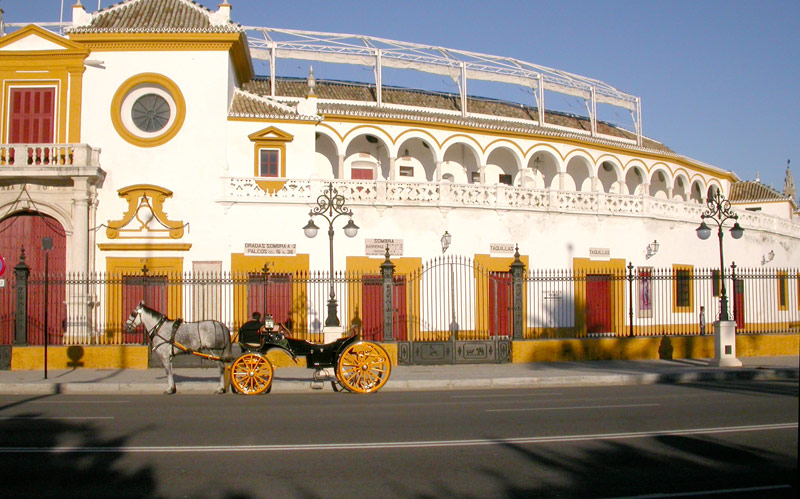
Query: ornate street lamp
[330, 206]
[719, 211]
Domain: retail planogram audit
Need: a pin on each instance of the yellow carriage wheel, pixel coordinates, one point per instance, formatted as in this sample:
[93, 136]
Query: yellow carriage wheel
[251, 374]
[363, 367]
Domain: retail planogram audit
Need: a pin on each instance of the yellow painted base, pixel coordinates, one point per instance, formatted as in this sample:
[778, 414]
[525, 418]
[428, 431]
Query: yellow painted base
[669, 347]
[77, 356]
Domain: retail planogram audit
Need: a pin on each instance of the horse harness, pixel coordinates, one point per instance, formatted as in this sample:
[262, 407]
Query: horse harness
[153, 333]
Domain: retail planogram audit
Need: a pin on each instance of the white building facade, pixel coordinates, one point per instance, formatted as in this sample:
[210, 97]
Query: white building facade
[146, 140]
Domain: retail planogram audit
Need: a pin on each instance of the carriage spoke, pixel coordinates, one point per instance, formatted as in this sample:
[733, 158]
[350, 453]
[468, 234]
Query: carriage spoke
[252, 374]
[363, 367]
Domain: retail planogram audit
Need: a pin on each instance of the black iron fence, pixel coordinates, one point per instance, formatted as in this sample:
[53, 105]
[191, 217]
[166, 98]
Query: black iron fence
[449, 298]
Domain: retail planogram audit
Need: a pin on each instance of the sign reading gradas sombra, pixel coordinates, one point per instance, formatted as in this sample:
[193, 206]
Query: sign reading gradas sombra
[256, 249]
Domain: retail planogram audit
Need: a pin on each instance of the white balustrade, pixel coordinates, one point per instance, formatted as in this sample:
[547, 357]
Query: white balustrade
[496, 197]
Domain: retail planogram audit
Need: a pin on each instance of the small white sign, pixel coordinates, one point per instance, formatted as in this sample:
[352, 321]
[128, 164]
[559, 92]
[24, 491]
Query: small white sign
[552, 295]
[377, 247]
[259, 249]
[600, 253]
[2, 283]
[501, 249]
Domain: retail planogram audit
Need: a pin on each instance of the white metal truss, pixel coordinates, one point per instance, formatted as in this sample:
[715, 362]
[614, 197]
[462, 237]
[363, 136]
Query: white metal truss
[270, 44]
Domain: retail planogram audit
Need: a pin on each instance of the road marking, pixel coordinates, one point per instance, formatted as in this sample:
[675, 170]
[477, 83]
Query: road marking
[572, 408]
[31, 418]
[710, 492]
[394, 445]
[61, 402]
[513, 395]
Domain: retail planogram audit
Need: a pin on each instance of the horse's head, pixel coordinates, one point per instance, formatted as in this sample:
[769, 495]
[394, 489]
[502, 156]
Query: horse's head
[135, 318]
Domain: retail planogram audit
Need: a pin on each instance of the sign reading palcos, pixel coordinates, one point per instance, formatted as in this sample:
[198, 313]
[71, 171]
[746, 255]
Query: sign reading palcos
[260, 249]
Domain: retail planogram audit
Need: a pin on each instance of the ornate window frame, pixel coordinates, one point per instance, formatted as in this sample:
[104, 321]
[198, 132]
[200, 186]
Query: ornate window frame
[136, 87]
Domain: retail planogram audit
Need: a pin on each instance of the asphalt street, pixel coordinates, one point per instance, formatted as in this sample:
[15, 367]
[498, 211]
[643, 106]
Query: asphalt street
[730, 438]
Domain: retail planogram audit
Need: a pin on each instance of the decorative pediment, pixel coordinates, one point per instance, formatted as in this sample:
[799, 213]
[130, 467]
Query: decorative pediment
[271, 134]
[32, 38]
[145, 217]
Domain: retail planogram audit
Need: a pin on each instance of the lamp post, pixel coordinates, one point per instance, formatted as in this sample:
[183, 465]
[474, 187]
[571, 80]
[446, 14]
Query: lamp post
[719, 211]
[330, 206]
[47, 245]
[447, 238]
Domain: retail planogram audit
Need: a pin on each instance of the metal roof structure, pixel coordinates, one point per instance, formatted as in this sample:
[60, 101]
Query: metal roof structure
[271, 44]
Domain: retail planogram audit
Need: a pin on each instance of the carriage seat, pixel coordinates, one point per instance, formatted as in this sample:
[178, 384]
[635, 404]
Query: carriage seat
[250, 335]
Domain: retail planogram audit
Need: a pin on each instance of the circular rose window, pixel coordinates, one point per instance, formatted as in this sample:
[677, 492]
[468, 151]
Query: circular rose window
[148, 110]
[150, 113]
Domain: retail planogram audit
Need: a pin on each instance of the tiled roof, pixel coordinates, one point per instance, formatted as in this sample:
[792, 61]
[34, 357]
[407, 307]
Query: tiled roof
[753, 191]
[155, 16]
[435, 106]
[245, 104]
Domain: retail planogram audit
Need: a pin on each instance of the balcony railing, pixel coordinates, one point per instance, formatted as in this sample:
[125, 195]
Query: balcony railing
[499, 196]
[18, 156]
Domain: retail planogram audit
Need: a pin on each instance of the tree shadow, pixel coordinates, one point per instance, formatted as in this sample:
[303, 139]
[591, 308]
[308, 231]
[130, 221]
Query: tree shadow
[32, 463]
[43, 456]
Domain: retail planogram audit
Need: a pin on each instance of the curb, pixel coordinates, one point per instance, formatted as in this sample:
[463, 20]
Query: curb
[302, 386]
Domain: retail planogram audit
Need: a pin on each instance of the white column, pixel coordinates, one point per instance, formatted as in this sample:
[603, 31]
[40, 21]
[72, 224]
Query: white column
[78, 299]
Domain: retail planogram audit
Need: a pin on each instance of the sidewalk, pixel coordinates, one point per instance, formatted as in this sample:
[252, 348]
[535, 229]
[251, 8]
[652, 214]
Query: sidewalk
[472, 376]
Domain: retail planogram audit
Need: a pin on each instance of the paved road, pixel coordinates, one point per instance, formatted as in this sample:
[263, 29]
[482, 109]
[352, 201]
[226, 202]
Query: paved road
[728, 438]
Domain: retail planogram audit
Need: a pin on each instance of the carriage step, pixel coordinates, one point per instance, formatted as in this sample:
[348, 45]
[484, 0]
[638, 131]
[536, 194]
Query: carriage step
[321, 376]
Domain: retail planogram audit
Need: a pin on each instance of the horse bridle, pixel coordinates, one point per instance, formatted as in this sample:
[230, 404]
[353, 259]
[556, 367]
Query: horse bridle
[150, 333]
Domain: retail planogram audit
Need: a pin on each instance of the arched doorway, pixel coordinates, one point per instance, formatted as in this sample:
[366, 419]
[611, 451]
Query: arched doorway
[26, 230]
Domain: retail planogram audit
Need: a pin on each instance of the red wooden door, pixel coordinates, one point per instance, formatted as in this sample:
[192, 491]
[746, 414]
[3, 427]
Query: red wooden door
[500, 306]
[153, 291]
[372, 308]
[32, 115]
[738, 303]
[598, 303]
[271, 295]
[26, 230]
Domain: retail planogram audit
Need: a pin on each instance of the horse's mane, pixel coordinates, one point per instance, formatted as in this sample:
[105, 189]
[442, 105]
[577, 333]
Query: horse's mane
[149, 310]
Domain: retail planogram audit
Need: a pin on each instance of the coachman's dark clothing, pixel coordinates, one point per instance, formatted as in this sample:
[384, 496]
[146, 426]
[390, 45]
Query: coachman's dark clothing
[248, 333]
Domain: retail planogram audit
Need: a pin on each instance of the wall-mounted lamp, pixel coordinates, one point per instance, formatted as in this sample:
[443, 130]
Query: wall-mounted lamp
[652, 249]
[446, 239]
[767, 258]
[94, 63]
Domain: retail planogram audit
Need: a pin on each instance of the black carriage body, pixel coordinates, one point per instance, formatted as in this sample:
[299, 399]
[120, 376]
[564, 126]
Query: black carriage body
[317, 356]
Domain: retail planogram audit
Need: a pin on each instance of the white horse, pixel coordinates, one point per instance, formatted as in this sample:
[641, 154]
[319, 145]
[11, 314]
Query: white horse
[168, 338]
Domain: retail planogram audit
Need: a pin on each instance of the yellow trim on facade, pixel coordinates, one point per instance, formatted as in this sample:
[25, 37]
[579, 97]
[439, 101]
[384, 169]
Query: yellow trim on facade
[686, 308]
[675, 347]
[80, 357]
[244, 265]
[156, 196]
[234, 43]
[403, 266]
[782, 282]
[614, 268]
[274, 139]
[484, 264]
[158, 267]
[606, 148]
[62, 69]
[144, 247]
[129, 85]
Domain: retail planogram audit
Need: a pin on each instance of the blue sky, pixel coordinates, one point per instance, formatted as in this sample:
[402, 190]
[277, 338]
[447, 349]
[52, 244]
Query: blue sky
[719, 80]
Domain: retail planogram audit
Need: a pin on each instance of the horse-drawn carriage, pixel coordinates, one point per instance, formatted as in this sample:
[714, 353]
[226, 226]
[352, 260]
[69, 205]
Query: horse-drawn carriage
[359, 366]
